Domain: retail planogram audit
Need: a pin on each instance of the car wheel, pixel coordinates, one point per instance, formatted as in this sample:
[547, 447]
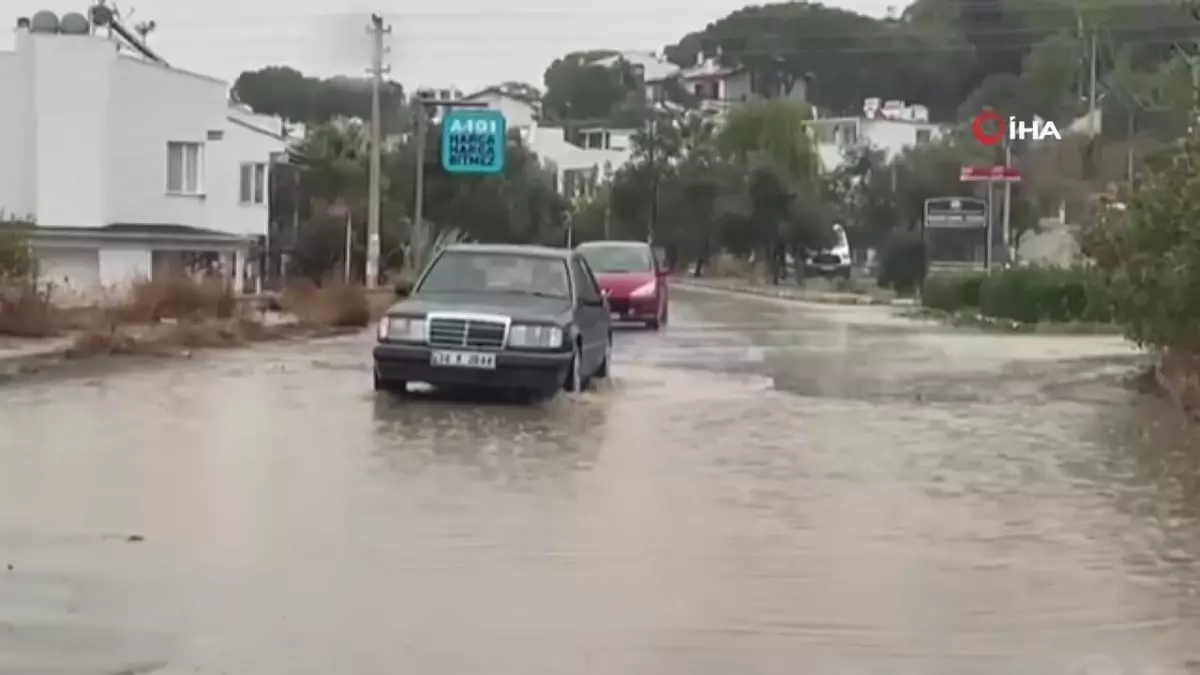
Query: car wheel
[844, 274]
[606, 367]
[575, 381]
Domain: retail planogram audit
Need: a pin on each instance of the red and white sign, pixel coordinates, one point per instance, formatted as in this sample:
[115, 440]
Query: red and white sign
[990, 174]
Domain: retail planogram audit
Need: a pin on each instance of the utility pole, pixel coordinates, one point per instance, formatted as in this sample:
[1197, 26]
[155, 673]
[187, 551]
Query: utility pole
[1092, 87]
[378, 30]
[1006, 224]
[653, 177]
[419, 182]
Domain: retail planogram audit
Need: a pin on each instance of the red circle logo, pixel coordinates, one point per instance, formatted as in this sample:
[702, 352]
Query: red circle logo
[979, 128]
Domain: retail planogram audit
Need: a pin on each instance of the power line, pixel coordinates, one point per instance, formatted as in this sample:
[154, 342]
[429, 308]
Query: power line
[1163, 40]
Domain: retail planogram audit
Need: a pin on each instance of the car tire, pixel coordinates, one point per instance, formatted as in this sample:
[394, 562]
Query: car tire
[606, 367]
[575, 381]
[844, 274]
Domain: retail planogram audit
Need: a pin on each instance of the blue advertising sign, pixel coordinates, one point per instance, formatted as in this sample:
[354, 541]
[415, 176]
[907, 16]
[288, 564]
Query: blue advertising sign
[474, 141]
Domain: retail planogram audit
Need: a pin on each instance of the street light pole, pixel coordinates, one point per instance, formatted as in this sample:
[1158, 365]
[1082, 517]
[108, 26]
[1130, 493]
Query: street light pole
[425, 106]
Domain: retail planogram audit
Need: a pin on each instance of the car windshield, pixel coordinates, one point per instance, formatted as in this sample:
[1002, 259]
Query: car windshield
[618, 259]
[479, 272]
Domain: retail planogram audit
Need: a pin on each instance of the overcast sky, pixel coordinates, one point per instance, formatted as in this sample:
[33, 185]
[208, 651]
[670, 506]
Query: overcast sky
[463, 43]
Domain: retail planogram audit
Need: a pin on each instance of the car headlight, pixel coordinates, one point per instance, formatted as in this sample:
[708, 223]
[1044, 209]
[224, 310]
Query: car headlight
[644, 290]
[529, 336]
[402, 329]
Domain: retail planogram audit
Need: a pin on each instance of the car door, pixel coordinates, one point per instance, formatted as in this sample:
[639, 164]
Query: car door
[591, 313]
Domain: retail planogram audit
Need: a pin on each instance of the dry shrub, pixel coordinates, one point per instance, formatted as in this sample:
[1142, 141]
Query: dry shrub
[27, 311]
[179, 297]
[103, 336]
[335, 304]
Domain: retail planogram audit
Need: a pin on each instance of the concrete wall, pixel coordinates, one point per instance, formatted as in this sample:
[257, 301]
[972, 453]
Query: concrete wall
[17, 169]
[120, 266]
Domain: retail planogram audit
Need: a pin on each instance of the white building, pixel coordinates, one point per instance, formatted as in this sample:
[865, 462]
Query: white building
[890, 127]
[575, 166]
[717, 88]
[519, 112]
[124, 164]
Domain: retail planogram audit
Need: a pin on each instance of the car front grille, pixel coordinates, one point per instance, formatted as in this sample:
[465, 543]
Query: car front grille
[470, 333]
[826, 259]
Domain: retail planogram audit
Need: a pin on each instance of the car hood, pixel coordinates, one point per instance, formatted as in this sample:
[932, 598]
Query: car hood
[625, 282]
[522, 308]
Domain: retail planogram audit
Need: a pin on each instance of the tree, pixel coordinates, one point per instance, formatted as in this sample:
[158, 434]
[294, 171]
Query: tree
[578, 88]
[287, 93]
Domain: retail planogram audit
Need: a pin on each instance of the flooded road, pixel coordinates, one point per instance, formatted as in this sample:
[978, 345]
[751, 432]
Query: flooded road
[764, 488]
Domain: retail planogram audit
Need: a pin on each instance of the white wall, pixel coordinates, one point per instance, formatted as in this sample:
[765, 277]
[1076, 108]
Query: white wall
[17, 180]
[120, 266]
[184, 108]
[518, 114]
[72, 79]
[240, 145]
[890, 136]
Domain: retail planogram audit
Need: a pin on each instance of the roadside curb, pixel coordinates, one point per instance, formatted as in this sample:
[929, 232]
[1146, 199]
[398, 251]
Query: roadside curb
[843, 299]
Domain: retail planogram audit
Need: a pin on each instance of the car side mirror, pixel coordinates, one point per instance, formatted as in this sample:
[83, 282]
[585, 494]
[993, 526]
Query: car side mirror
[403, 289]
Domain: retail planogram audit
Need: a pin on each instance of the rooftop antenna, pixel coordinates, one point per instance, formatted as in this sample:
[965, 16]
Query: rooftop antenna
[145, 28]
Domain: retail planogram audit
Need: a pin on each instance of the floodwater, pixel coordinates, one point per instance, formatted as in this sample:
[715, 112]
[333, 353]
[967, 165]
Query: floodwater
[764, 487]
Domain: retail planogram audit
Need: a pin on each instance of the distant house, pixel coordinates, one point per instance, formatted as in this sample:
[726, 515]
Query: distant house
[126, 165]
[717, 87]
[519, 111]
[890, 127]
[655, 71]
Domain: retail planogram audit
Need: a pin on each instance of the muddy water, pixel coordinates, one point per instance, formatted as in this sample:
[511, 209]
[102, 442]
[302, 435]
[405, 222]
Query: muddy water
[764, 488]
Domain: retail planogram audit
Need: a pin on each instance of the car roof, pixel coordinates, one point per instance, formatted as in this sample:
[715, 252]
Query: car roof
[613, 242]
[512, 249]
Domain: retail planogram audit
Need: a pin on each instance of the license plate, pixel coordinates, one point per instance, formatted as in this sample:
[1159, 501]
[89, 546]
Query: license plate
[480, 360]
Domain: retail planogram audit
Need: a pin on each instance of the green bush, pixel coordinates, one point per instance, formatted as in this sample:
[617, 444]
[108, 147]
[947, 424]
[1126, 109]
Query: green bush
[1146, 254]
[16, 260]
[952, 292]
[1036, 294]
[902, 262]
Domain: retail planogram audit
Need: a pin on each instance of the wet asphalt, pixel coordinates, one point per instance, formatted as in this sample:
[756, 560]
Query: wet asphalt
[764, 487]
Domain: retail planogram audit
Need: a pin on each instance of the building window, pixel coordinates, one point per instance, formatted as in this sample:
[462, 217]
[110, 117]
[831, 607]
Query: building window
[253, 183]
[923, 135]
[185, 162]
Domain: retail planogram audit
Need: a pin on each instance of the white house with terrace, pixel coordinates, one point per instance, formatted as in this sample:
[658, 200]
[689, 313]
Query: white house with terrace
[126, 167]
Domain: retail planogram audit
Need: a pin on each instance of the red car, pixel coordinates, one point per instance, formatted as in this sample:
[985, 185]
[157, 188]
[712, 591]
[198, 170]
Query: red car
[631, 278]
